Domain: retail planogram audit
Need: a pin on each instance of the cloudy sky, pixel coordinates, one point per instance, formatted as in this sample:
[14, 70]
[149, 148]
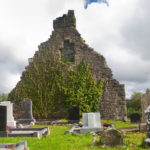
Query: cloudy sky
[120, 32]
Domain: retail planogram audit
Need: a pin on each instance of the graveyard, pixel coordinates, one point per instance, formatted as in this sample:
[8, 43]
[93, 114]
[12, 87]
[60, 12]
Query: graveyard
[54, 135]
[68, 99]
[60, 141]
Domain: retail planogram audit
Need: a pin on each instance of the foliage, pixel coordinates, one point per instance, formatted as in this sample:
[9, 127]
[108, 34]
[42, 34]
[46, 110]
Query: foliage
[3, 97]
[82, 90]
[134, 103]
[42, 84]
[51, 86]
[74, 20]
[82, 40]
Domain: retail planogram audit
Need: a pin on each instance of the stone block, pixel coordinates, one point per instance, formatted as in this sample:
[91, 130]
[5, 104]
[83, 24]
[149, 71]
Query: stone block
[26, 115]
[91, 120]
[10, 119]
[3, 118]
[74, 114]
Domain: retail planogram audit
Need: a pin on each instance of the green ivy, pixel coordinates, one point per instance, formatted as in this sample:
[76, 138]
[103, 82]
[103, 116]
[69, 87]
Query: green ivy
[50, 86]
[82, 90]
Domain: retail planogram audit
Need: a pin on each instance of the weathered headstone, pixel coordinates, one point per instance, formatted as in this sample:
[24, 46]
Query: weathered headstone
[111, 137]
[26, 115]
[74, 114]
[91, 122]
[10, 119]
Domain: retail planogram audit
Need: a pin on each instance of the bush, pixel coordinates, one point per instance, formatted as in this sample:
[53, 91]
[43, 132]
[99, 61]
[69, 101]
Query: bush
[134, 104]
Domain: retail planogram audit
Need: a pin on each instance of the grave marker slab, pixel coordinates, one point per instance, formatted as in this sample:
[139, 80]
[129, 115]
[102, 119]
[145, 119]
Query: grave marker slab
[74, 113]
[3, 118]
[91, 122]
[10, 119]
[26, 115]
[22, 145]
[3, 121]
[147, 112]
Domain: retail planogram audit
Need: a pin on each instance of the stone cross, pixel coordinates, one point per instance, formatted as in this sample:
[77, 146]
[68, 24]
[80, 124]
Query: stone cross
[26, 115]
[3, 118]
[147, 112]
[10, 119]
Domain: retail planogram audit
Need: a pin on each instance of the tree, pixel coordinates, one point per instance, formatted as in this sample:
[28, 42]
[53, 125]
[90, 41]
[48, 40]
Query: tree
[134, 103]
[3, 97]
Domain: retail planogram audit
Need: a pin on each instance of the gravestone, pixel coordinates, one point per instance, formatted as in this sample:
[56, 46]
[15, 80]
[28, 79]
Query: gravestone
[74, 114]
[91, 122]
[135, 118]
[111, 137]
[26, 115]
[147, 112]
[10, 119]
[3, 120]
[22, 145]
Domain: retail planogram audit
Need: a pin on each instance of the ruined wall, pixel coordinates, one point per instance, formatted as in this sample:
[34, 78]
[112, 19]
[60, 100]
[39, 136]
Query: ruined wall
[145, 102]
[67, 44]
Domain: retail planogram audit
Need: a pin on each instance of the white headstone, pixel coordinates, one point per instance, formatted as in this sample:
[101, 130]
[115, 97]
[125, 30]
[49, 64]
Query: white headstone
[91, 120]
[147, 113]
[10, 119]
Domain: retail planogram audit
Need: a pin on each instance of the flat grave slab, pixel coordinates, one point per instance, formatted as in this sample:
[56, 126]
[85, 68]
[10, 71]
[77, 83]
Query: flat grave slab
[22, 145]
[28, 132]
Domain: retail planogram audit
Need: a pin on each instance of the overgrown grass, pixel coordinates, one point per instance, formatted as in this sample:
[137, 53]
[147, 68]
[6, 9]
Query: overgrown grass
[57, 140]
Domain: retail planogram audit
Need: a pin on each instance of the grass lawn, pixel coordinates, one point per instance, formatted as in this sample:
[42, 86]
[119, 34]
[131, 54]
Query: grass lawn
[57, 140]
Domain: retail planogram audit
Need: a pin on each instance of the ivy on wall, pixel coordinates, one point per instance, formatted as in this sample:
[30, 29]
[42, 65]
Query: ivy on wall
[49, 84]
[81, 90]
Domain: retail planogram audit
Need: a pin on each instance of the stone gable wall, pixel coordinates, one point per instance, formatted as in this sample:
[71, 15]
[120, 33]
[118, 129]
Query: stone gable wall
[67, 44]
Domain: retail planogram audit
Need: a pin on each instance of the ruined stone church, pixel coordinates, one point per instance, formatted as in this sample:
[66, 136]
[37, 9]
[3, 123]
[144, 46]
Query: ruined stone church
[69, 43]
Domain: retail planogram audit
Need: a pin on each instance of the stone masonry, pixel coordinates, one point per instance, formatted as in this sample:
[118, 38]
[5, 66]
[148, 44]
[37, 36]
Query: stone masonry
[145, 102]
[68, 44]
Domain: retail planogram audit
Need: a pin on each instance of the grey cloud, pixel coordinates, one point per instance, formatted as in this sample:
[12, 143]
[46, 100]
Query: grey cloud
[9, 65]
[133, 72]
[8, 61]
[132, 87]
[136, 32]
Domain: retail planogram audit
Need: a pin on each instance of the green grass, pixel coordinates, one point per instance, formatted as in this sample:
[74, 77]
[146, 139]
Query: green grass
[120, 124]
[57, 140]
